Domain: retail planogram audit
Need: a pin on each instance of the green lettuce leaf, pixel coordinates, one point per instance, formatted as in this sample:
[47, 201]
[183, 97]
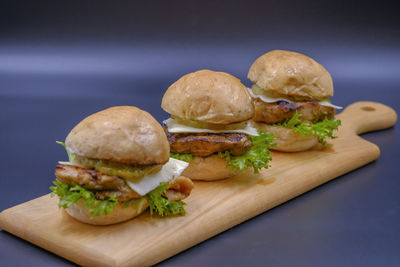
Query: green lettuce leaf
[183, 157]
[257, 157]
[322, 130]
[162, 206]
[70, 195]
[71, 156]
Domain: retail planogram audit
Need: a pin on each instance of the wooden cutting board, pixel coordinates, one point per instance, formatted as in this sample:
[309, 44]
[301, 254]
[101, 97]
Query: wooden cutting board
[212, 208]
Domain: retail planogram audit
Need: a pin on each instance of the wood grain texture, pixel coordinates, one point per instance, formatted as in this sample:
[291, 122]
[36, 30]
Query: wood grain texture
[212, 208]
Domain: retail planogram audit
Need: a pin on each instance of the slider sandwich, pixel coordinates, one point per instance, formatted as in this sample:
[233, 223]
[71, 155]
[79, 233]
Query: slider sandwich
[209, 126]
[291, 100]
[118, 166]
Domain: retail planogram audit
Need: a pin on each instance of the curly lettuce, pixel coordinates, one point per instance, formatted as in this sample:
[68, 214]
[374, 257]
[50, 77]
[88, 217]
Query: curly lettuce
[70, 195]
[158, 203]
[322, 130]
[71, 156]
[183, 157]
[257, 157]
[162, 206]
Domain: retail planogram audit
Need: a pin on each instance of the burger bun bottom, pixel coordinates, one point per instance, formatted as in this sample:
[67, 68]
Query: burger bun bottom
[287, 139]
[80, 212]
[209, 168]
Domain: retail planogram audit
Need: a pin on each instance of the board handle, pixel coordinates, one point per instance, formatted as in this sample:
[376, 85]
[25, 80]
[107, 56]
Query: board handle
[365, 116]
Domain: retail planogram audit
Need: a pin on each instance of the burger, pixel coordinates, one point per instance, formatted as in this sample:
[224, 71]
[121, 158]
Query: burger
[209, 126]
[291, 100]
[118, 166]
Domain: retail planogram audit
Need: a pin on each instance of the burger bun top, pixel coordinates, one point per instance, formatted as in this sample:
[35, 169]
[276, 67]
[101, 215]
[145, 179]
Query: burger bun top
[124, 134]
[208, 96]
[292, 74]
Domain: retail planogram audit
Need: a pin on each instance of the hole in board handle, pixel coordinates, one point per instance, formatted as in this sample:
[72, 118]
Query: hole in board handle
[368, 108]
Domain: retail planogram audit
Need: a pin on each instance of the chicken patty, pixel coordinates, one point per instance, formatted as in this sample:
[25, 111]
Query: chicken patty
[104, 186]
[280, 111]
[206, 144]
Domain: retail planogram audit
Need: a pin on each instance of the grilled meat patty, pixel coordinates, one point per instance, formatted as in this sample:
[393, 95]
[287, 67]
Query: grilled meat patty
[205, 144]
[179, 189]
[104, 186]
[282, 110]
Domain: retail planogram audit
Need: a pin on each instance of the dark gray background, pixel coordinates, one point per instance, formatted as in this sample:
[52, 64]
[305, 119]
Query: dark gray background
[62, 62]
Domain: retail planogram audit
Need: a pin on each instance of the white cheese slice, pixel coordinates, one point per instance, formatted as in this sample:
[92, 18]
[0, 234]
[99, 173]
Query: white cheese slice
[267, 99]
[175, 127]
[168, 173]
[327, 104]
[70, 163]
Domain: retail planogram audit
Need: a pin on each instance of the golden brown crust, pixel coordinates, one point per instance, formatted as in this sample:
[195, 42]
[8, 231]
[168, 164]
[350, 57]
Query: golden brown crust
[279, 112]
[208, 169]
[208, 96]
[287, 139]
[103, 185]
[123, 134]
[206, 144]
[293, 74]
[120, 214]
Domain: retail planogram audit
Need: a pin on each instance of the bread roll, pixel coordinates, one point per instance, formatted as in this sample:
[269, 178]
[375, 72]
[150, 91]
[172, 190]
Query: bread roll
[81, 212]
[208, 96]
[292, 74]
[123, 134]
[209, 168]
[287, 139]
